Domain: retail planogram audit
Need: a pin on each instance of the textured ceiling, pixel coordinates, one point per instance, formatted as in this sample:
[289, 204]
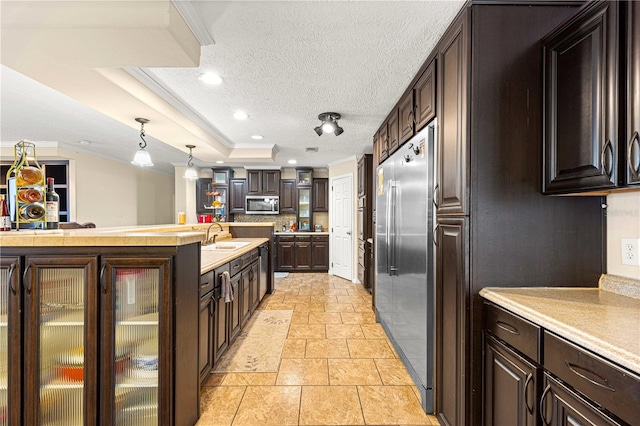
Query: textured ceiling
[285, 62]
[282, 62]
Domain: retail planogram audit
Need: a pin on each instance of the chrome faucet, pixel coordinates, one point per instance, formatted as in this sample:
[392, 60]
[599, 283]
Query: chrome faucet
[208, 240]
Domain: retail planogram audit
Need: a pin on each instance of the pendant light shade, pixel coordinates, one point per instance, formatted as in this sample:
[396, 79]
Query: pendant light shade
[190, 173]
[142, 157]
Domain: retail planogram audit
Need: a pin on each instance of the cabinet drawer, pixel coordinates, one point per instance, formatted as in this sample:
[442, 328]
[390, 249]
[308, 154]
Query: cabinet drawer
[303, 239]
[320, 239]
[517, 332]
[254, 255]
[246, 260]
[286, 238]
[235, 266]
[361, 256]
[207, 282]
[609, 386]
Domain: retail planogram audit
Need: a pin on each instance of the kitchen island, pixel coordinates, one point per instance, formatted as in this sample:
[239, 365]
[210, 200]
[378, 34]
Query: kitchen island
[106, 321]
[573, 354]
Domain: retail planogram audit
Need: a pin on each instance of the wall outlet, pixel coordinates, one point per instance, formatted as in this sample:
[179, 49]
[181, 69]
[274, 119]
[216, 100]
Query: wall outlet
[630, 252]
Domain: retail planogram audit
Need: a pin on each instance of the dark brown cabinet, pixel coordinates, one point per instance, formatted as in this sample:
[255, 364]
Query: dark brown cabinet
[285, 253]
[221, 336]
[510, 386]
[254, 276]
[383, 142]
[320, 195]
[303, 254]
[235, 308]
[406, 118]
[632, 148]
[206, 334]
[99, 311]
[451, 190]
[393, 132]
[237, 194]
[425, 97]
[288, 198]
[580, 101]
[320, 253]
[263, 182]
[452, 334]
[245, 296]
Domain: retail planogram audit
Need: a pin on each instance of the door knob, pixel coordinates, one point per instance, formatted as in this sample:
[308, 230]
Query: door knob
[348, 232]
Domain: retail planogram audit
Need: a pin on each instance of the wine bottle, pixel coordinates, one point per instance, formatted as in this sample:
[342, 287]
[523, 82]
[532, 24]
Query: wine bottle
[5, 219]
[53, 205]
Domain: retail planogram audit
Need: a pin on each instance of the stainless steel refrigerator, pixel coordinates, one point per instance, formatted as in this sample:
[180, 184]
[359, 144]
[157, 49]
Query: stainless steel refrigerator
[405, 272]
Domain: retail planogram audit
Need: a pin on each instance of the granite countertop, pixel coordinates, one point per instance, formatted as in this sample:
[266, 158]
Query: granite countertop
[211, 259]
[604, 322]
[149, 235]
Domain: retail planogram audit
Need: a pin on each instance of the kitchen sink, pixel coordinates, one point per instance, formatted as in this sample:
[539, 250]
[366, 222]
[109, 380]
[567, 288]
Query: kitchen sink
[224, 246]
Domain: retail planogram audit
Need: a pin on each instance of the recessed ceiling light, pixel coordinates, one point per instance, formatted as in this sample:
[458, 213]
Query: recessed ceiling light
[257, 137]
[292, 161]
[210, 78]
[240, 115]
[219, 162]
[85, 142]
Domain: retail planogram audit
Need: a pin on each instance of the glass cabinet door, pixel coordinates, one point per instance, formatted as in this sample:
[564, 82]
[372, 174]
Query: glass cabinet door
[9, 319]
[132, 355]
[60, 312]
[304, 209]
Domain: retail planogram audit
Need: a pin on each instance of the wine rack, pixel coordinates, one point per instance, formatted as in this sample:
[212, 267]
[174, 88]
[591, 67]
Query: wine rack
[26, 187]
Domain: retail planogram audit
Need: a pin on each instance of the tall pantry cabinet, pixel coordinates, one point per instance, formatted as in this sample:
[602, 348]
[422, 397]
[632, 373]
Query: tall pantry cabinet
[494, 226]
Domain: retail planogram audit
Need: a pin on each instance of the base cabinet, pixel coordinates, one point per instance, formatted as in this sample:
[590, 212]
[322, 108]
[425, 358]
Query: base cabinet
[235, 314]
[88, 325]
[206, 334]
[510, 383]
[562, 406]
[302, 253]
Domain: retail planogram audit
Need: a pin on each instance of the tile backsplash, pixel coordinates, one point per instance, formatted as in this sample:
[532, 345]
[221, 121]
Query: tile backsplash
[282, 219]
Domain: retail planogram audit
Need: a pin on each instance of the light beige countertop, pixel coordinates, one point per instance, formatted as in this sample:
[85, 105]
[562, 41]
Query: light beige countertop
[211, 259]
[301, 233]
[604, 322]
[145, 235]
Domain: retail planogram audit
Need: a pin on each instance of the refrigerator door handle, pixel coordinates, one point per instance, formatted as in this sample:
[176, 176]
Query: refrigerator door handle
[393, 269]
[387, 228]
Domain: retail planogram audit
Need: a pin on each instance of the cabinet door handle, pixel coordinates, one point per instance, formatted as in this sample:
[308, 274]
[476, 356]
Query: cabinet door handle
[543, 405]
[526, 393]
[607, 158]
[582, 372]
[12, 268]
[411, 120]
[26, 279]
[634, 160]
[103, 283]
[212, 306]
[435, 199]
[435, 234]
[507, 327]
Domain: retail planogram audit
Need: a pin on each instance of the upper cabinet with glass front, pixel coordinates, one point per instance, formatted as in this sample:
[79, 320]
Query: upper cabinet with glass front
[304, 177]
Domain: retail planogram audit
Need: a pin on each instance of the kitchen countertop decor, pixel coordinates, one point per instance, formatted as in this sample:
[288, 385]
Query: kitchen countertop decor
[604, 322]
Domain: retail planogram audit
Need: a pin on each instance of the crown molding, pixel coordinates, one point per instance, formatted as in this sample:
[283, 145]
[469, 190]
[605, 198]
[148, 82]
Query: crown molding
[194, 22]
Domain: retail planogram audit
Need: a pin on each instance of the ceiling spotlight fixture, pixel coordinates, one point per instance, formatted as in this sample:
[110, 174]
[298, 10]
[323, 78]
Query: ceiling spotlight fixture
[240, 115]
[257, 137]
[292, 161]
[219, 162]
[85, 142]
[329, 124]
[210, 78]
[142, 157]
[190, 173]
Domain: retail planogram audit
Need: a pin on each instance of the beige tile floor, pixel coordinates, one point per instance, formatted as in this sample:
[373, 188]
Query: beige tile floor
[337, 366]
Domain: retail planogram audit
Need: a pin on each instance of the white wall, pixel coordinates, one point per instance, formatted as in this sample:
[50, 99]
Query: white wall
[109, 193]
[350, 165]
[623, 221]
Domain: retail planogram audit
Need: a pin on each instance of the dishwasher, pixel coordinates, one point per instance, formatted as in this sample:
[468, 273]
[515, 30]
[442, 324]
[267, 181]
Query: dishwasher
[263, 251]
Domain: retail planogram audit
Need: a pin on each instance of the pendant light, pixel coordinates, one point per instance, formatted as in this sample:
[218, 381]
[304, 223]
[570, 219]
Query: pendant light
[190, 173]
[142, 157]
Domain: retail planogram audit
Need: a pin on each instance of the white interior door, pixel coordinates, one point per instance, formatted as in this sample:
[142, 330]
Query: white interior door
[342, 226]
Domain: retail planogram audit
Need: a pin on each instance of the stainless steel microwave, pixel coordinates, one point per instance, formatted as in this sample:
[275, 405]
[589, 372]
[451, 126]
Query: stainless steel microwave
[262, 204]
